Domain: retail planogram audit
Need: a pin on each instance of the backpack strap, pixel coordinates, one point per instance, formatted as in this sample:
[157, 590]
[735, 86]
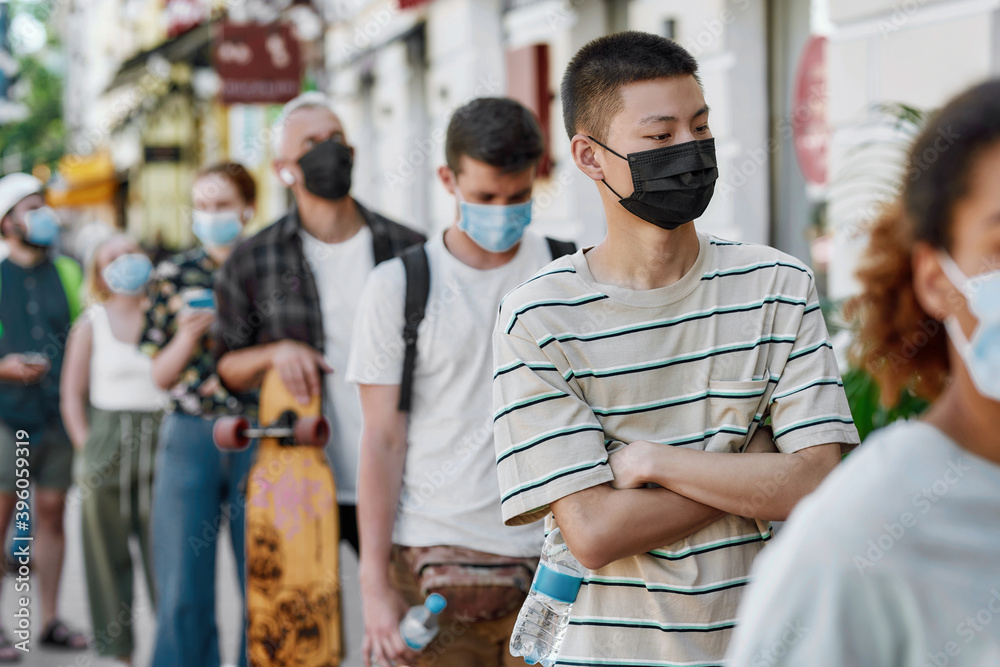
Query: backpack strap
[559, 248]
[418, 279]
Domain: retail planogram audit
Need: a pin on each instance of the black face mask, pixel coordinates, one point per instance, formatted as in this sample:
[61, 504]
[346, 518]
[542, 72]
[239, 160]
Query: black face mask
[326, 170]
[672, 185]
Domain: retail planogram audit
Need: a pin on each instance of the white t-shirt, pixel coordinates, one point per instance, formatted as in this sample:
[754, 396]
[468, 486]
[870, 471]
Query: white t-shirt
[340, 270]
[450, 493]
[893, 562]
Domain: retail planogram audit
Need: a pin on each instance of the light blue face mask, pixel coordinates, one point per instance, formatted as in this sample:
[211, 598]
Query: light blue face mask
[128, 274]
[981, 354]
[218, 228]
[41, 226]
[494, 228]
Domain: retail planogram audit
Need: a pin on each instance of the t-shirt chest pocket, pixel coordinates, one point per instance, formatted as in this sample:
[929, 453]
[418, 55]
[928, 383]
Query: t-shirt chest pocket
[733, 407]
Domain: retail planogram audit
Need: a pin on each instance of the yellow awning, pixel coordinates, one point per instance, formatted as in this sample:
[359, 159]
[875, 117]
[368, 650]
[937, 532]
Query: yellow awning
[86, 180]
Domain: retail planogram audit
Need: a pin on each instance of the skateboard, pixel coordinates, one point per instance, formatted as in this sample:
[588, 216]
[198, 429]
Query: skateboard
[292, 532]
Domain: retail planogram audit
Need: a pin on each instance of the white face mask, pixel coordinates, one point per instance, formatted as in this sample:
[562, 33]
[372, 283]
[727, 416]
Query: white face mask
[981, 354]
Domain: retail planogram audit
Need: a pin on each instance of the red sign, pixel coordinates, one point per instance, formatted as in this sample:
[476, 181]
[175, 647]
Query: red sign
[258, 64]
[528, 83]
[810, 127]
[182, 15]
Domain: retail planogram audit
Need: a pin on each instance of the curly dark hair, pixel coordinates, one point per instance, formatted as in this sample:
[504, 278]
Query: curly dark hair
[901, 345]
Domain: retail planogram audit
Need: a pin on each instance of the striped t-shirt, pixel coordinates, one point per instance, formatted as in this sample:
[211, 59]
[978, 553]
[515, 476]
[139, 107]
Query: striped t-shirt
[583, 367]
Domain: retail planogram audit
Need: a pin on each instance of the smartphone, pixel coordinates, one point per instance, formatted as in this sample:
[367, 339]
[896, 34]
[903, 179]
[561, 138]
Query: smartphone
[35, 359]
[199, 298]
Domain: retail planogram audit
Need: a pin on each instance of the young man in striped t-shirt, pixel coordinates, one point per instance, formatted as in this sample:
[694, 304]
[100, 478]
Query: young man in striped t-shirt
[650, 359]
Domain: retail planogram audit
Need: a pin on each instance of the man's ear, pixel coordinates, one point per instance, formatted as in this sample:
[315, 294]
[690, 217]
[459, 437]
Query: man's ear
[447, 177]
[283, 173]
[584, 157]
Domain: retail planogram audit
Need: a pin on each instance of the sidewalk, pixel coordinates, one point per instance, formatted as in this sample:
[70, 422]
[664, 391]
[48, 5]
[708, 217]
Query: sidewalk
[74, 610]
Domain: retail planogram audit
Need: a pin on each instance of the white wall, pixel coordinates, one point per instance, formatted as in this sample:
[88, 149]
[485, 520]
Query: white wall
[398, 124]
[399, 148]
[918, 52]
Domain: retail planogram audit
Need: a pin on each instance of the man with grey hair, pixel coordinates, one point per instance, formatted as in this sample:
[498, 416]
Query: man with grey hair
[287, 296]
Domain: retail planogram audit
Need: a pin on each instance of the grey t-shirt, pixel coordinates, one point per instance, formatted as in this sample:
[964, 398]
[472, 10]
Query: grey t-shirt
[893, 562]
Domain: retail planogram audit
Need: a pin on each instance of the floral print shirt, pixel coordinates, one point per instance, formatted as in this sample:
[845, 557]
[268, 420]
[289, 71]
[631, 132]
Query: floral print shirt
[198, 390]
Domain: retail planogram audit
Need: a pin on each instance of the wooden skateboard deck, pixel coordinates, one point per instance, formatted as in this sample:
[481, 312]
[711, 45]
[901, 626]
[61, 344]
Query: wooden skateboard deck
[292, 551]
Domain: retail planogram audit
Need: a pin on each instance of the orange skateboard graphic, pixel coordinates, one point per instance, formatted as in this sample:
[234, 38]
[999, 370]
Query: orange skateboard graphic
[293, 532]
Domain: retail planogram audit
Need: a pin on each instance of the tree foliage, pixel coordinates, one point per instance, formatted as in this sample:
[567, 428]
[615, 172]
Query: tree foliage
[41, 136]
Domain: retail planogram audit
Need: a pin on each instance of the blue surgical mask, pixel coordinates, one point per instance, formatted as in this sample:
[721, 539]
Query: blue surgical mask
[218, 228]
[41, 226]
[494, 228]
[128, 274]
[981, 354]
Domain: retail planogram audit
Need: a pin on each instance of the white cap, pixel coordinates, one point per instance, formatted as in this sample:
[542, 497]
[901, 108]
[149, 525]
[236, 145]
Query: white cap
[14, 188]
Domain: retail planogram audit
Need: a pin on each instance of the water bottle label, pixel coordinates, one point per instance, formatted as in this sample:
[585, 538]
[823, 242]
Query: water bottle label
[557, 585]
[412, 644]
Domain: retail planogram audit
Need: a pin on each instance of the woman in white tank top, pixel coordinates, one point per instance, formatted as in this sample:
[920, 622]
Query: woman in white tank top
[112, 410]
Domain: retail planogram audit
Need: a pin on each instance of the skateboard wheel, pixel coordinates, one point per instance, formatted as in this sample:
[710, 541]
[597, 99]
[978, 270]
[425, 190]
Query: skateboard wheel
[228, 433]
[313, 431]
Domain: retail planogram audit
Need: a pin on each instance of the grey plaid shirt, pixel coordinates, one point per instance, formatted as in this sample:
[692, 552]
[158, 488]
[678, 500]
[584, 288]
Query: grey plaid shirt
[266, 291]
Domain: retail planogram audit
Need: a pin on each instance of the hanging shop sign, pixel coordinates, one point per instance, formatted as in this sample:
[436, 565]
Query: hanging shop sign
[257, 64]
[810, 124]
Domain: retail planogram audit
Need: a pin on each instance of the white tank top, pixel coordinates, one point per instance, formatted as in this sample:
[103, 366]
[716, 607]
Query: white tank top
[121, 377]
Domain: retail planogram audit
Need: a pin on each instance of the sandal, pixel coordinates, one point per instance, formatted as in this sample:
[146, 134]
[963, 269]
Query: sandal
[8, 654]
[58, 636]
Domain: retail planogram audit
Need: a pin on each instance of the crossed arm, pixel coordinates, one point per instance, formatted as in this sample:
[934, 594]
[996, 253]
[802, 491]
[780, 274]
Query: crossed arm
[612, 521]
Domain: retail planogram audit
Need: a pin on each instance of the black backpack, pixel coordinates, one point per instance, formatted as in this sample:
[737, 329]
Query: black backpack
[418, 279]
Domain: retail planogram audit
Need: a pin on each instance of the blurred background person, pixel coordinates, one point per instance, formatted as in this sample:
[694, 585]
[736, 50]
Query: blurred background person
[893, 560]
[452, 541]
[195, 482]
[39, 299]
[303, 276]
[111, 409]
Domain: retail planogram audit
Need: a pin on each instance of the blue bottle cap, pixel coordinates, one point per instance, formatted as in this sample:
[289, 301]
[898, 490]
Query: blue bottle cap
[558, 586]
[435, 603]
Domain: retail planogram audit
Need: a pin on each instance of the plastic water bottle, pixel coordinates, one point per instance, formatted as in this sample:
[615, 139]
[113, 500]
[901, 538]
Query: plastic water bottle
[541, 625]
[420, 625]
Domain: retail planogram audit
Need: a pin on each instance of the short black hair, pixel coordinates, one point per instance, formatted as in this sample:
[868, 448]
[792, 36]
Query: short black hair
[591, 86]
[499, 131]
